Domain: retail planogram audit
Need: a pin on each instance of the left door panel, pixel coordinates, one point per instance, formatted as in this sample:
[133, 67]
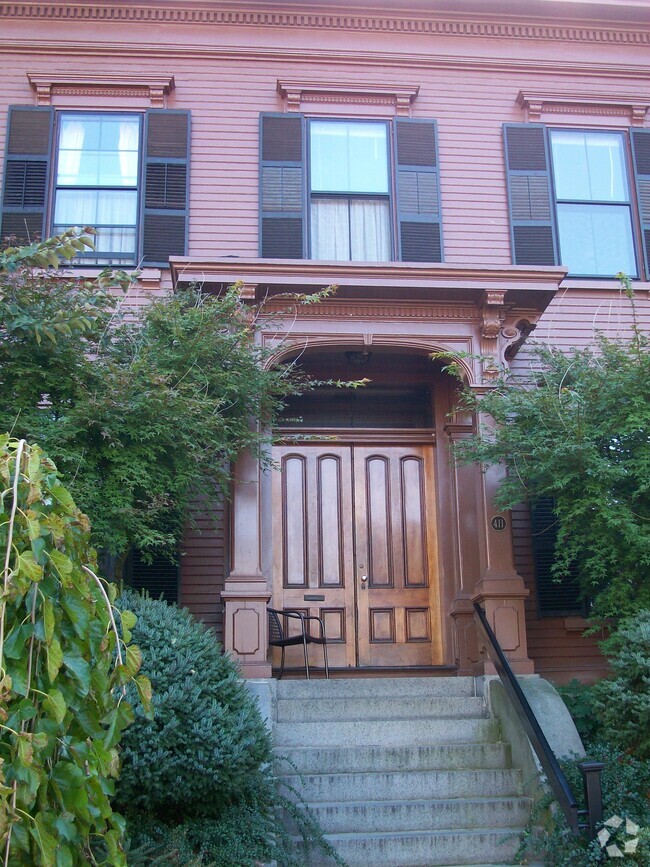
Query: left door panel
[313, 564]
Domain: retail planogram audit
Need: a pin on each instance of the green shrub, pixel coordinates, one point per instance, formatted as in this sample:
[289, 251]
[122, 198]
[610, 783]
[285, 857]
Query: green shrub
[581, 699]
[197, 782]
[626, 787]
[207, 740]
[623, 701]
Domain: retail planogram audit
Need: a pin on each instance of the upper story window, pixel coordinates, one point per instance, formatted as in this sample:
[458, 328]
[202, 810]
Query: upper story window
[349, 180]
[97, 181]
[125, 174]
[349, 190]
[593, 206]
[576, 200]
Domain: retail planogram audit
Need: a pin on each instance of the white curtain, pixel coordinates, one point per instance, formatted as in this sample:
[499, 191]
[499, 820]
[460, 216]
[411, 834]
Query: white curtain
[128, 152]
[104, 209]
[369, 230]
[70, 149]
[330, 229]
[355, 230]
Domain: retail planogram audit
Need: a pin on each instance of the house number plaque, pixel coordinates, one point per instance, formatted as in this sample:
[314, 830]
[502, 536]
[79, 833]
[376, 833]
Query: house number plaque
[498, 523]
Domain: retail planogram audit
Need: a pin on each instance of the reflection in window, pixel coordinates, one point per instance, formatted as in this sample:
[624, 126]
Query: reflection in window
[593, 203]
[350, 207]
[97, 182]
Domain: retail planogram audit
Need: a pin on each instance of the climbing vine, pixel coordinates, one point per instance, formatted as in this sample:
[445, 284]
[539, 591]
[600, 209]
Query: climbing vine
[63, 673]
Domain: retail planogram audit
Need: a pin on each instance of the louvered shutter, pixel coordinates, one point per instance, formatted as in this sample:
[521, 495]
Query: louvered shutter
[282, 186]
[641, 154]
[165, 201]
[159, 577]
[554, 598]
[27, 172]
[418, 190]
[532, 210]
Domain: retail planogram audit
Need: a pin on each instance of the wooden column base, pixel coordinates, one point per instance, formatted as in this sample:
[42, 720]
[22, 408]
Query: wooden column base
[503, 602]
[246, 628]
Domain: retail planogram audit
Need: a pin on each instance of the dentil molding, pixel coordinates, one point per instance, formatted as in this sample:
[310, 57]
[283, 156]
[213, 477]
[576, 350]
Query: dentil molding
[155, 86]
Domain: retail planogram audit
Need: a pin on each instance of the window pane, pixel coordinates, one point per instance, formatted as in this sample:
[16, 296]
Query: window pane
[356, 230]
[330, 229]
[349, 157]
[589, 166]
[369, 230]
[96, 208]
[596, 239]
[98, 150]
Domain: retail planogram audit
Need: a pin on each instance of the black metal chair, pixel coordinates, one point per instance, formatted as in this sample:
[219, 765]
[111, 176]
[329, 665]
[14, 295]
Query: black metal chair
[279, 635]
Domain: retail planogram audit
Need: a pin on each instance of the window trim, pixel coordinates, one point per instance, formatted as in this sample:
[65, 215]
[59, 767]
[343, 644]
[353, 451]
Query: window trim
[81, 259]
[390, 196]
[631, 204]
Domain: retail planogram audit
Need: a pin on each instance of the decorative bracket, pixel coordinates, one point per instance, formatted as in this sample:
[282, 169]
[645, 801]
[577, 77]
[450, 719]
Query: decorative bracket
[492, 316]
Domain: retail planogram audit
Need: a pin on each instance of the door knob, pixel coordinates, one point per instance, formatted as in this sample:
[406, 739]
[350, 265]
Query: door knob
[364, 578]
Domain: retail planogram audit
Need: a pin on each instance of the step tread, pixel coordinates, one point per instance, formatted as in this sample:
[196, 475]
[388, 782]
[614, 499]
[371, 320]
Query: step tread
[397, 802]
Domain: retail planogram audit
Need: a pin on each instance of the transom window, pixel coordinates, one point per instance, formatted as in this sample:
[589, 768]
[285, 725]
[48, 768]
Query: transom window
[594, 215]
[97, 178]
[350, 184]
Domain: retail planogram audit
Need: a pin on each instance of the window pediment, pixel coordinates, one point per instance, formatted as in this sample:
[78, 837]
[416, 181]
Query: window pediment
[395, 99]
[152, 87]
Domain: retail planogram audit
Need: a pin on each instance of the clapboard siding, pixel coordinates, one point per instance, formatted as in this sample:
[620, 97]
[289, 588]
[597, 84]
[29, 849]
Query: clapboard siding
[204, 563]
[226, 94]
[559, 650]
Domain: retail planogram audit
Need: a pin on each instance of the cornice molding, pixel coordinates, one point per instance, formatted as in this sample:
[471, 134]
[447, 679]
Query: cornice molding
[379, 59]
[353, 310]
[442, 25]
[295, 92]
[536, 104]
[156, 87]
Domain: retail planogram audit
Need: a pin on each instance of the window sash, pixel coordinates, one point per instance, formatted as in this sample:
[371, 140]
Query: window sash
[351, 228]
[595, 225]
[97, 182]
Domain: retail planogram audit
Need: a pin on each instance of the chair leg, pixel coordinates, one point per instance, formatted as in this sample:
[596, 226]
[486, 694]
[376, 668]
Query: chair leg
[304, 644]
[281, 665]
[327, 670]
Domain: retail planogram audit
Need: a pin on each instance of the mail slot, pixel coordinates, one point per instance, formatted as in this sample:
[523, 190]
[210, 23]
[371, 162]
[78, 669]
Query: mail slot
[311, 597]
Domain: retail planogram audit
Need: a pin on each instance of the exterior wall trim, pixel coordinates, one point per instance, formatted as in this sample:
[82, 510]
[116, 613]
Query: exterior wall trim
[449, 25]
[156, 87]
[332, 58]
[297, 92]
[535, 104]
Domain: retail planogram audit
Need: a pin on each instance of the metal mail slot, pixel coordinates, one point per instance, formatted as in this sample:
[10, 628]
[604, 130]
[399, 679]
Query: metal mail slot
[313, 598]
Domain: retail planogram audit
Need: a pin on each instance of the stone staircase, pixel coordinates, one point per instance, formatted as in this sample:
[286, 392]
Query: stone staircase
[401, 771]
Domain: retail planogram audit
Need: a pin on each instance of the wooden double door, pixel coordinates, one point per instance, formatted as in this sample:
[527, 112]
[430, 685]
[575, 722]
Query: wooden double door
[354, 541]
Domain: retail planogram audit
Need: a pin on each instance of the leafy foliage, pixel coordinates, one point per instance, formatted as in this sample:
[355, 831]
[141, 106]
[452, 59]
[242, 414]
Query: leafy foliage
[197, 782]
[62, 675]
[140, 412]
[581, 700]
[623, 701]
[580, 433]
[626, 787]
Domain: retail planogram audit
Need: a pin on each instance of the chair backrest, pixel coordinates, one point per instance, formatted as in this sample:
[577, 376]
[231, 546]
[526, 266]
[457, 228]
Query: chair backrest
[276, 633]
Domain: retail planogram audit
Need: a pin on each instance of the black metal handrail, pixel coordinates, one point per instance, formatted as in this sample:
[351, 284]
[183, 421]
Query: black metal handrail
[547, 759]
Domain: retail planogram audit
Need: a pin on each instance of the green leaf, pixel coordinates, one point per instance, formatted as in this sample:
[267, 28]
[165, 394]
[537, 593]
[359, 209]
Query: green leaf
[117, 720]
[25, 564]
[77, 665]
[47, 844]
[128, 622]
[14, 646]
[49, 620]
[133, 662]
[54, 659]
[62, 495]
[55, 704]
[143, 685]
[78, 612]
[62, 563]
[69, 783]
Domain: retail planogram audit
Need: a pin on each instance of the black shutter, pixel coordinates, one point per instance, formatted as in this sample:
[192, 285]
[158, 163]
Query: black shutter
[532, 209]
[641, 155]
[282, 186]
[165, 201]
[27, 172]
[554, 598]
[418, 190]
[160, 577]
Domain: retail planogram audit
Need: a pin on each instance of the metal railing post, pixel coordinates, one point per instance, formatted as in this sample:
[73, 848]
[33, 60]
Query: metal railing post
[591, 772]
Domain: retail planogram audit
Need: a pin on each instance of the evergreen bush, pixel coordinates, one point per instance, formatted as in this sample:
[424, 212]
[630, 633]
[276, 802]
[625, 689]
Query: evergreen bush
[623, 701]
[205, 745]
